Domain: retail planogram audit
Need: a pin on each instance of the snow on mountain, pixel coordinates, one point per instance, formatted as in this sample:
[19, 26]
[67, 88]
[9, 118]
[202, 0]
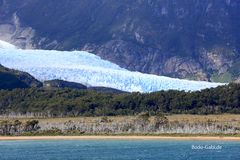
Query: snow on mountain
[89, 69]
[5, 45]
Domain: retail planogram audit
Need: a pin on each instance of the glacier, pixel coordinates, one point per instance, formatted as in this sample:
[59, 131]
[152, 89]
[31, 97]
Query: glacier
[89, 69]
[6, 45]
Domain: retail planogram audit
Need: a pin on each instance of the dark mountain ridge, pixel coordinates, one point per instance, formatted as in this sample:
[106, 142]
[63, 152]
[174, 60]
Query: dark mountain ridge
[191, 39]
[11, 79]
[60, 84]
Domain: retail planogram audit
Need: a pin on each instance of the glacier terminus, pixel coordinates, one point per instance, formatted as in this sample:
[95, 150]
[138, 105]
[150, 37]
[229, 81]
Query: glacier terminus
[89, 69]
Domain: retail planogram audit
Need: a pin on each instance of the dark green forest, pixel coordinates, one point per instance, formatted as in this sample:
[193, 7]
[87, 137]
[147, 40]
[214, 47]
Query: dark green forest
[71, 102]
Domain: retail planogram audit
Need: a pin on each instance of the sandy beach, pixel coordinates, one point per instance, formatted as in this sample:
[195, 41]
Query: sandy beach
[117, 138]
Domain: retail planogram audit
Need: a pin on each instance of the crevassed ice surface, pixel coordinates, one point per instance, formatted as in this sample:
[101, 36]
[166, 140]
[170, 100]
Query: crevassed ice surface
[89, 69]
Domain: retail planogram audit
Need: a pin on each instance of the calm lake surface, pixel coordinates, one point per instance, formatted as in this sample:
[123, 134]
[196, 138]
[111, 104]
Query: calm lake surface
[119, 150]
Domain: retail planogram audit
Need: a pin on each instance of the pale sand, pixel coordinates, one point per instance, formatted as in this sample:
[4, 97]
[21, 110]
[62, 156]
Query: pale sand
[116, 138]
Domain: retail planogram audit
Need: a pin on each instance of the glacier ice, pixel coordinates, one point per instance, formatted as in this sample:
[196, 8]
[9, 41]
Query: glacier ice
[89, 69]
[5, 45]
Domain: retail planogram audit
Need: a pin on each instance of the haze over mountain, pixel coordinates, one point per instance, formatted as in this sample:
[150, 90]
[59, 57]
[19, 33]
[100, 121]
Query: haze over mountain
[192, 39]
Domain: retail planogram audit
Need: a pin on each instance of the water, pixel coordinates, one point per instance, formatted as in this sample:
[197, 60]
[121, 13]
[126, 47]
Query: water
[119, 150]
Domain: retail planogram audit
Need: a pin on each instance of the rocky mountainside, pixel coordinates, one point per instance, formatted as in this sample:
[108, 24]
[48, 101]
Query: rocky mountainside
[191, 39]
[10, 79]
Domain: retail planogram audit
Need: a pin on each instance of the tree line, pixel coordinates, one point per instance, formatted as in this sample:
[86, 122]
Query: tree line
[71, 103]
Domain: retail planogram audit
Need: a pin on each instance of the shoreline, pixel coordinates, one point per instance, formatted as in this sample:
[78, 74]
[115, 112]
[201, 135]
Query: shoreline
[3, 138]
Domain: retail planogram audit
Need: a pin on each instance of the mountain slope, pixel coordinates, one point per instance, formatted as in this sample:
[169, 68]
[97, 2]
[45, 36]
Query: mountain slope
[62, 84]
[10, 79]
[88, 69]
[191, 39]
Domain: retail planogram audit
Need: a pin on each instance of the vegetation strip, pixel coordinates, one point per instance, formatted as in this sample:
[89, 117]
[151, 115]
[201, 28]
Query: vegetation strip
[37, 102]
[142, 125]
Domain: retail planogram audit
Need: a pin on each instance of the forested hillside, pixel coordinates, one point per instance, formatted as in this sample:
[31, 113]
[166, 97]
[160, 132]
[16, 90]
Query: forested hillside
[10, 79]
[70, 102]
